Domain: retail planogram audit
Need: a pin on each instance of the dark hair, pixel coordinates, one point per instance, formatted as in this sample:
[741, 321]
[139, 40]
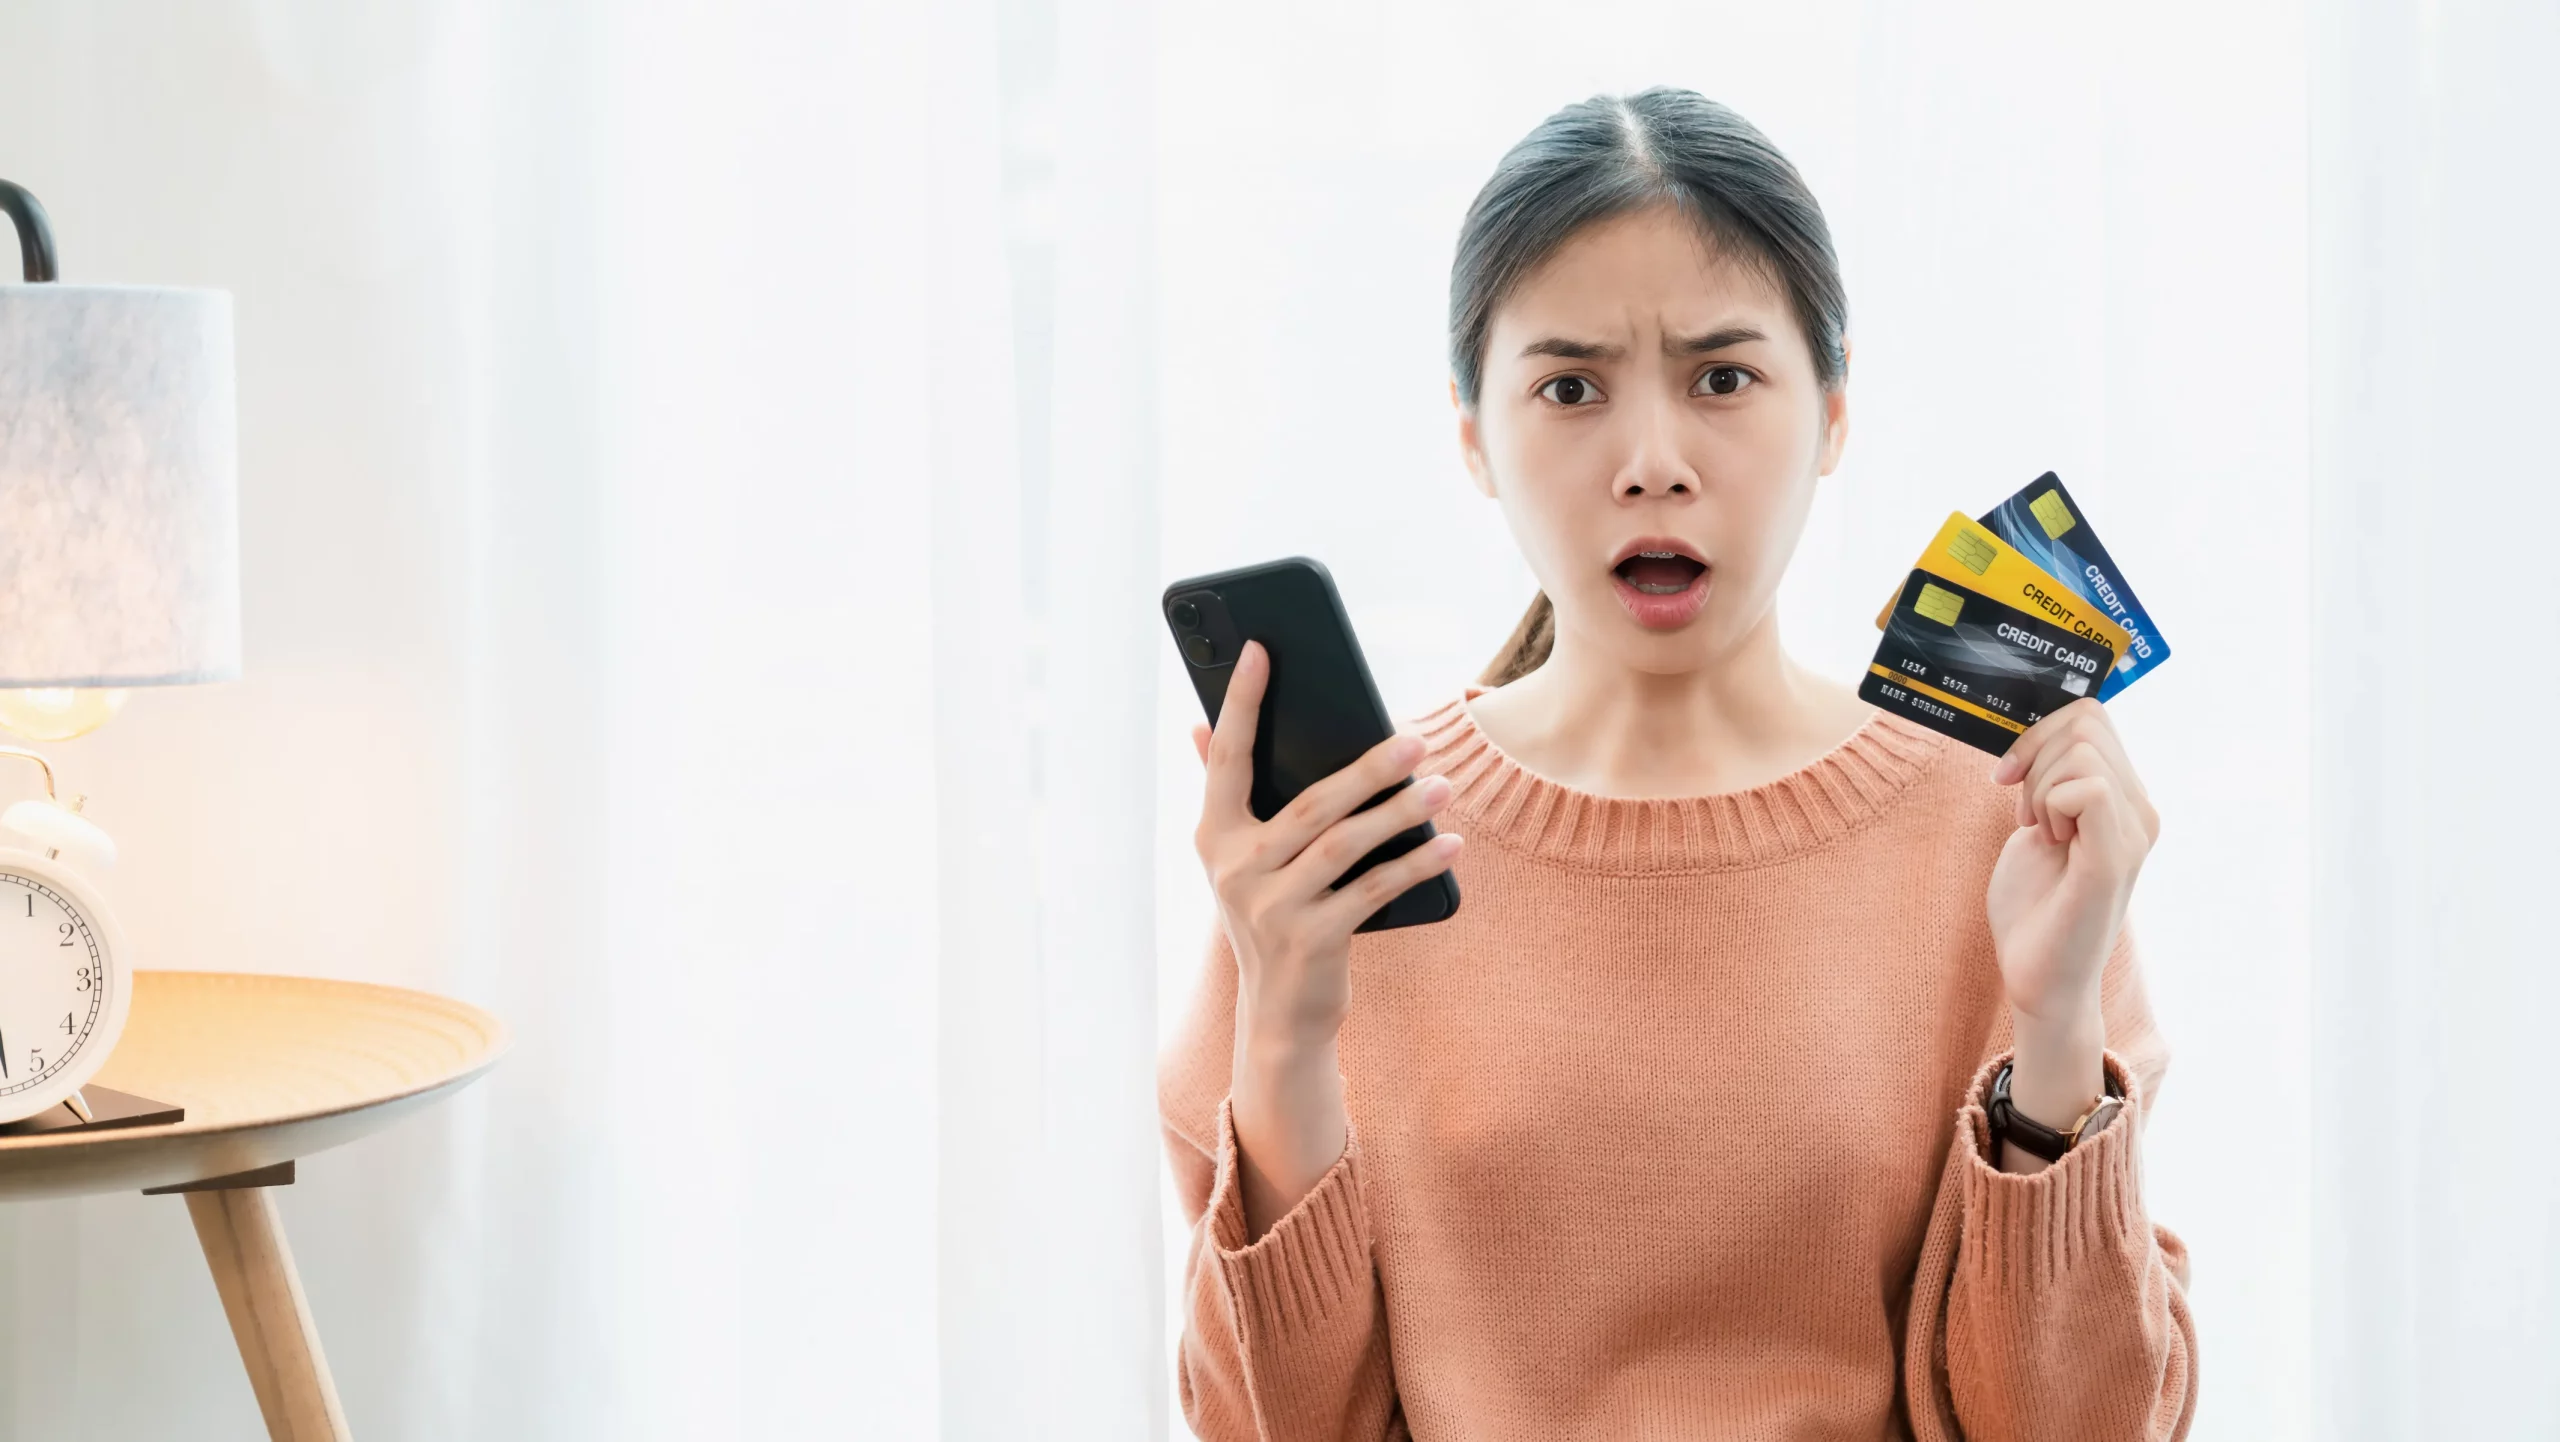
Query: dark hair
[1605, 157]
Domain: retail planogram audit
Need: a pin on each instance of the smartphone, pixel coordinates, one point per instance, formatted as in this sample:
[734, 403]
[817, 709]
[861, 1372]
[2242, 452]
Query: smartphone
[1320, 710]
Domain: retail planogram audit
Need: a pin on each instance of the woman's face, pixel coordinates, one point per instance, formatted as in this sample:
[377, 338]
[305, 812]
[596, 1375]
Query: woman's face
[1642, 395]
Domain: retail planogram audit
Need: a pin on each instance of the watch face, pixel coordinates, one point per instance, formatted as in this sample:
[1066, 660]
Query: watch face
[54, 981]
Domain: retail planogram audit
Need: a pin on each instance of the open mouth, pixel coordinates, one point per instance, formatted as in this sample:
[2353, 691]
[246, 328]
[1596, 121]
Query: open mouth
[1660, 573]
[1662, 581]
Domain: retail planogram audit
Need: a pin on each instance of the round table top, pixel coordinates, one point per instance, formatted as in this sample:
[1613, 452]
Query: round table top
[269, 1068]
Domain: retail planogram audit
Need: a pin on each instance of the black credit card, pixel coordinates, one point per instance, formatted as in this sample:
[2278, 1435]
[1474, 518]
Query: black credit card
[1961, 663]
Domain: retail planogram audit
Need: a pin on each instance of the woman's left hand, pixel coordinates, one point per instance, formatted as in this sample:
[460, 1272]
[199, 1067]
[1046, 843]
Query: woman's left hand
[2059, 890]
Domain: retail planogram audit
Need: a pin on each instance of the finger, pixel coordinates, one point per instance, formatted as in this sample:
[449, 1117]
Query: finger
[2054, 767]
[2070, 763]
[2031, 787]
[1343, 843]
[2097, 726]
[1231, 741]
[2031, 743]
[1337, 796]
[1200, 740]
[2128, 781]
[2039, 758]
[1376, 887]
[2090, 726]
[2091, 803]
[2053, 735]
[2101, 732]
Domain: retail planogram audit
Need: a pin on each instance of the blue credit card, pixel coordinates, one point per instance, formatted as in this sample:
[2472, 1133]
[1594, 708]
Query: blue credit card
[2050, 529]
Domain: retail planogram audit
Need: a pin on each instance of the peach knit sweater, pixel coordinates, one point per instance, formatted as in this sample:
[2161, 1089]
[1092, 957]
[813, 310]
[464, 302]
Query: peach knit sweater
[1676, 1131]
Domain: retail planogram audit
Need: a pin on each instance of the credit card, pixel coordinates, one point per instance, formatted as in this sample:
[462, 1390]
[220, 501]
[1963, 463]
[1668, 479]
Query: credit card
[1966, 552]
[2050, 530]
[1974, 668]
[2047, 527]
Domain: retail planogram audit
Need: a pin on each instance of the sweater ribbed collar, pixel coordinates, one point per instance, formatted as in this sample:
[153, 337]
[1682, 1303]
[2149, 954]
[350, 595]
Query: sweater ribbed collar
[1499, 800]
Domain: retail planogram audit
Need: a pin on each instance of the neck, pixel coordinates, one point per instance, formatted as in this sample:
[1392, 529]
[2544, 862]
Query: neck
[1596, 724]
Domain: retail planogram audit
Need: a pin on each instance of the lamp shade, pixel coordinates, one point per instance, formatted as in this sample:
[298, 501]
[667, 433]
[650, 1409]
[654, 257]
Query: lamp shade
[119, 491]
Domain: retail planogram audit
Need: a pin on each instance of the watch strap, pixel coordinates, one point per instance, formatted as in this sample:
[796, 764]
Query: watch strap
[2026, 1133]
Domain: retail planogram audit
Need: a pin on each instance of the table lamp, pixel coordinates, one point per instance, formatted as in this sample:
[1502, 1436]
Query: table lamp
[119, 507]
[119, 567]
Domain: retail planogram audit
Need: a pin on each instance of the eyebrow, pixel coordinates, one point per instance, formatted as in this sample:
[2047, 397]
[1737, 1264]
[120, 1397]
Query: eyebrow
[1714, 340]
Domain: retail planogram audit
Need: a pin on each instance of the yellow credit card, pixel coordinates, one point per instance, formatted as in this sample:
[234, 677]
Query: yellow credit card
[1966, 553]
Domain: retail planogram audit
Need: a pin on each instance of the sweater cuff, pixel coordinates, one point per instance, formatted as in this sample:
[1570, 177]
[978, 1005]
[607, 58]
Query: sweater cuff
[2029, 1229]
[1311, 1262]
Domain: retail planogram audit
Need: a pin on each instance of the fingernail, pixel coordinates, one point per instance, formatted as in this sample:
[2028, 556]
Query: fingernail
[1435, 789]
[1449, 841]
[1407, 750]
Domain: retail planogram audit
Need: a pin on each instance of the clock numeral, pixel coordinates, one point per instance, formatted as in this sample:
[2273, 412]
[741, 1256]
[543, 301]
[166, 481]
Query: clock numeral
[69, 930]
[84, 980]
[31, 903]
[67, 1028]
[35, 1061]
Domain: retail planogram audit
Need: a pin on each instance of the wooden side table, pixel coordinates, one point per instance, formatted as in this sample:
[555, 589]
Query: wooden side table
[269, 1069]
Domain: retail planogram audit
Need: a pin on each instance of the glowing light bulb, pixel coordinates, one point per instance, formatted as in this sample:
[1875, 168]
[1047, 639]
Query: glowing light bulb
[58, 713]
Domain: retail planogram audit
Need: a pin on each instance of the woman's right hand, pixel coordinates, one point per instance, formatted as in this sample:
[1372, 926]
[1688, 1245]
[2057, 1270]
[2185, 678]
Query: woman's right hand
[1291, 929]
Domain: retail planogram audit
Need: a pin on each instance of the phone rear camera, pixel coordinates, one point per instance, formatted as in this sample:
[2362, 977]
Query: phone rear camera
[1185, 615]
[1200, 649]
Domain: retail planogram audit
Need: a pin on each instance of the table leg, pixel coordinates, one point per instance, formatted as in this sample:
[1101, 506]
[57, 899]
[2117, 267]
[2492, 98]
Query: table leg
[243, 1239]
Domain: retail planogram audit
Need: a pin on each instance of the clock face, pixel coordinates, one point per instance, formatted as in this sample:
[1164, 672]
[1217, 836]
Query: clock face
[54, 983]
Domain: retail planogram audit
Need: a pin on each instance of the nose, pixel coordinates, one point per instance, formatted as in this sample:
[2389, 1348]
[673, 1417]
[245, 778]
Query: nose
[1654, 465]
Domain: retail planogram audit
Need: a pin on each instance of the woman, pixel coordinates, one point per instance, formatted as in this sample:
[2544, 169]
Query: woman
[1684, 1126]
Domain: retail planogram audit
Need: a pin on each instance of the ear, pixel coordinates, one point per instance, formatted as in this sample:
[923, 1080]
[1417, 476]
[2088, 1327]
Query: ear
[1471, 442]
[1835, 416]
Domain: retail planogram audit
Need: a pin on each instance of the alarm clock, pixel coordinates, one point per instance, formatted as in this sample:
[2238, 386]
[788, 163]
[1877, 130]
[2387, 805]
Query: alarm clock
[65, 983]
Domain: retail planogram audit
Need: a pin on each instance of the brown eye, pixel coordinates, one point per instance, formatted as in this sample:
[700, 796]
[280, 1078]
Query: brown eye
[1722, 381]
[1570, 391]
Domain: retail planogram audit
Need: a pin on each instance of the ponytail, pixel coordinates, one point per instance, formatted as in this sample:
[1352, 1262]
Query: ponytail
[1530, 644]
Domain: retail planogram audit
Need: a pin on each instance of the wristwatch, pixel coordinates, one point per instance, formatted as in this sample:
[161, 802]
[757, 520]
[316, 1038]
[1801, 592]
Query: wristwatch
[2029, 1135]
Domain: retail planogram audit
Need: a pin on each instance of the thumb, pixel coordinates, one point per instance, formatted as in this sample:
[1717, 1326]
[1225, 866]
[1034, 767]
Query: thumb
[1200, 740]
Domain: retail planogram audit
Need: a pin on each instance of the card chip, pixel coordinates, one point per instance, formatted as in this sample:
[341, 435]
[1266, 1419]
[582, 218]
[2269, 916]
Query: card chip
[2076, 684]
[2052, 514]
[1973, 552]
[1939, 604]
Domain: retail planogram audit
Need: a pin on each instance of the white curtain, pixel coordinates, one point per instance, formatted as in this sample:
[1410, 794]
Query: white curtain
[649, 638]
[2435, 304]
[706, 471]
